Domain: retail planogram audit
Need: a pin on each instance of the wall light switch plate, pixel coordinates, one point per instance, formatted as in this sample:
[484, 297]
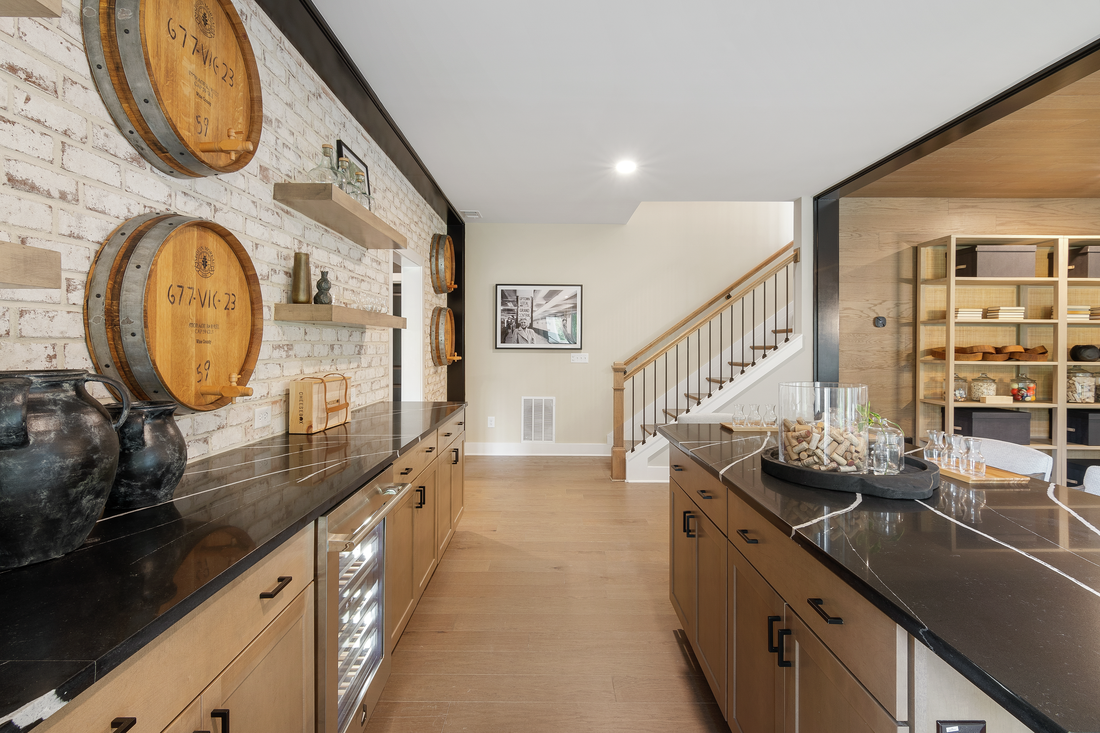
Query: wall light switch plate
[262, 417]
[578, 358]
[960, 726]
[492, 422]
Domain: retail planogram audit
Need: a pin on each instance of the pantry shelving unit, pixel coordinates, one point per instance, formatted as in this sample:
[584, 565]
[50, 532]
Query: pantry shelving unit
[938, 292]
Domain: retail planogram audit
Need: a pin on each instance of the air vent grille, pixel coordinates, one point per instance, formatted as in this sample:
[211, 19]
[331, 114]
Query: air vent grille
[471, 213]
[538, 420]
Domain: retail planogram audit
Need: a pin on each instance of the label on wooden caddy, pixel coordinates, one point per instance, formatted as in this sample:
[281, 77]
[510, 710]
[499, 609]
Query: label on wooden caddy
[318, 403]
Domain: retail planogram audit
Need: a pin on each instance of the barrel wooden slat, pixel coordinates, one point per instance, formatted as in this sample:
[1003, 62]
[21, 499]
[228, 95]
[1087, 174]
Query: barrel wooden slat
[183, 310]
[442, 261]
[443, 337]
[180, 80]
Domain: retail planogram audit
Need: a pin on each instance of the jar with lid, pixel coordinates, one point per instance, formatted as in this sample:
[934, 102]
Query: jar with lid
[1080, 385]
[983, 386]
[961, 388]
[1023, 389]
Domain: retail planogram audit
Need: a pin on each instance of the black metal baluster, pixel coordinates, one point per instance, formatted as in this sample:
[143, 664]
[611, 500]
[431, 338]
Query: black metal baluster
[753, 327]
[644, 433]
[633, 440]
[743, 362]
[710, 359]
[698, 363]
[764, 353]
[790, 300]
[676, 387]
[775, 309]
[721, 335]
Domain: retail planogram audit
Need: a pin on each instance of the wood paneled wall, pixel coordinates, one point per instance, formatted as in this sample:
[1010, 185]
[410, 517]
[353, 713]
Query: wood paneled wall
[876, 275]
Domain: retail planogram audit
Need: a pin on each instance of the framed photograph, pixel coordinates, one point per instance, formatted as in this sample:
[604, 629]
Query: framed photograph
[355, 163]
[538, 317]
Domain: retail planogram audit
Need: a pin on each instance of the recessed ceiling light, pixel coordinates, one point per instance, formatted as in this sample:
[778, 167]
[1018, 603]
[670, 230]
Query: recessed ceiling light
[626, 166]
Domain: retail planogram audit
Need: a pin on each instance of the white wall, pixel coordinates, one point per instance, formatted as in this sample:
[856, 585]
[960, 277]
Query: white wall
[639, 279]
[68, 178]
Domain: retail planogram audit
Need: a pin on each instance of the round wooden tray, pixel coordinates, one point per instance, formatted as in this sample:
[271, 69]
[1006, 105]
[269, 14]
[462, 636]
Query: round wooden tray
[918, 480]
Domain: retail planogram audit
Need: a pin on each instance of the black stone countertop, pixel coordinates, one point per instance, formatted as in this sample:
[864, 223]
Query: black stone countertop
[1001, 583]
[66, 623]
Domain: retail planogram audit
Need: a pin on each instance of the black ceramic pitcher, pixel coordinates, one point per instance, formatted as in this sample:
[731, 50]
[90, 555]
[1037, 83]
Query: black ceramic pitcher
[151, 459]
[58, 454]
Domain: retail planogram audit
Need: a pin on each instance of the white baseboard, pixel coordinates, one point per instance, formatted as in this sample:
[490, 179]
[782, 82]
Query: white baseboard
[538, 449]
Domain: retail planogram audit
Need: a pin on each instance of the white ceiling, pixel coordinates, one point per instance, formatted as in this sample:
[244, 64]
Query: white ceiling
[521, 109]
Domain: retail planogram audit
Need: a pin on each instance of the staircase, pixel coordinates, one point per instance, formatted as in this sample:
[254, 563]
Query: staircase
[703, 362]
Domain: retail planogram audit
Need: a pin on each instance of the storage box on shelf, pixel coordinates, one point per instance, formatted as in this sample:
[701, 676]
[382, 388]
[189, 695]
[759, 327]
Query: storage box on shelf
[1009, 425]
[1045, 293]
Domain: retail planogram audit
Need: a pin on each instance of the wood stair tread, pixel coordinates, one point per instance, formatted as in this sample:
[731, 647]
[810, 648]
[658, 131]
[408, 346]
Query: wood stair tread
[782, 330]
[765, 347]
[716, 380]
[739, 363]
[673, 413]
[696, 397]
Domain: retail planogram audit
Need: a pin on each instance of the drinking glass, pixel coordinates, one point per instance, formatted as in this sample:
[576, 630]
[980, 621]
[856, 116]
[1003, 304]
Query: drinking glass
[954, 458]
[770, 418]
[753, 416]
[975, 461]
[879, 456]
[739, 416]
[932, 447]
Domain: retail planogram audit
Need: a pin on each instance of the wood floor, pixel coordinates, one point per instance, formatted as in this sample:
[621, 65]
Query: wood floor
[549, 613]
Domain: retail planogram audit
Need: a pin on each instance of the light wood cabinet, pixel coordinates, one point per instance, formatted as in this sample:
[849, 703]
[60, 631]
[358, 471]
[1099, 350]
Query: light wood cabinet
[754, 679]
[400, 588]
[425, 549]
[443, 528]
[681, 558]
[457, 462]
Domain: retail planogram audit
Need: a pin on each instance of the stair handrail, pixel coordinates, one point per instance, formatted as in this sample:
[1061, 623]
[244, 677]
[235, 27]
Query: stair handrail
[746, 283]
[792, 255]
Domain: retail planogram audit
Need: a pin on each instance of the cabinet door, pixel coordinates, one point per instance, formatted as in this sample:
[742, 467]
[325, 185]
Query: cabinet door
[268, 688]
[754, 680]
[681, 558]
[710, 606]
[400, 596]
[443, 530]
[456, 456]
[820, 695]
[190, 720]
[424, 546]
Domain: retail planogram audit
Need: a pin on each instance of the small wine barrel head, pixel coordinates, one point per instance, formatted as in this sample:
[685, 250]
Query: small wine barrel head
[443, 337]
[182, 314]
[180, 80]
[442, 258]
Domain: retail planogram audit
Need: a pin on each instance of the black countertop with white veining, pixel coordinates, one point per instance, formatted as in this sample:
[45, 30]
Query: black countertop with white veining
[66, 623]
[1001, 583]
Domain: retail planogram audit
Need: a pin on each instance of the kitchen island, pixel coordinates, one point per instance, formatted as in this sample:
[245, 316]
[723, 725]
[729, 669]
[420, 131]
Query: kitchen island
[1001, 584]
[67, 623]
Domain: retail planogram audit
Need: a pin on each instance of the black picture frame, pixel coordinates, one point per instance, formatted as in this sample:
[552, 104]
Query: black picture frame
[355, 163]
[552, 313]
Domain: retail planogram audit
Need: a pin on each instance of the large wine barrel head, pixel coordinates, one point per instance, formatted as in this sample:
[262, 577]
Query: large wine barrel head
[443, 337]
[442, 260]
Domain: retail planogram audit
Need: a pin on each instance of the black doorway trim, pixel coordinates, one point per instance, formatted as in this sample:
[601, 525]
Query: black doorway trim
[456, 301]
[307, 31]
[1057, 76]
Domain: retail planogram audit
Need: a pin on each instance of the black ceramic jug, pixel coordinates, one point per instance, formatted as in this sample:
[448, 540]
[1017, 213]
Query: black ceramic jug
[58, 454]
[151, 458]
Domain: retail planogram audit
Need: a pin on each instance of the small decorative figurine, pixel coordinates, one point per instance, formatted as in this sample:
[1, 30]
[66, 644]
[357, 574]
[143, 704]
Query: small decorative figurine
[323, 296]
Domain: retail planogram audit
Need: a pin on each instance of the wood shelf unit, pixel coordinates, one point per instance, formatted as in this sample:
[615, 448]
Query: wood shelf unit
[326, 204]
[936, 297]
[29, 267]
[30, 8]
[335, 315]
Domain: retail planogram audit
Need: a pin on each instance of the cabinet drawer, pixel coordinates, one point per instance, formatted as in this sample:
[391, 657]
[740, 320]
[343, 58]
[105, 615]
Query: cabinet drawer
[161, 680]
[868, 643]
[449, 431]
[705, 490]
[409, 465]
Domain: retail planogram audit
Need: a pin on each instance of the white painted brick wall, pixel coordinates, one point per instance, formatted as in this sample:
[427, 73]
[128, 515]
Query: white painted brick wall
[68, 178]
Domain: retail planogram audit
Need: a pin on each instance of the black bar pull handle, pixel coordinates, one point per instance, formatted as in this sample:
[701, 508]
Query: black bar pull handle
[779, 648]
[223, 714]
[284, 581]
[772, 621]
[423, 496]
[447, 435]
[460, 423]
[744, 534]
[677, 468]
[816, 603]
[430, 449]
[407, 471]
[121, 725]
[704, 493]
[687, 524]
[454, 461]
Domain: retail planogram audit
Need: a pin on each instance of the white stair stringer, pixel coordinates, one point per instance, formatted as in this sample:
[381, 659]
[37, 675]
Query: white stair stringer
[648, 463]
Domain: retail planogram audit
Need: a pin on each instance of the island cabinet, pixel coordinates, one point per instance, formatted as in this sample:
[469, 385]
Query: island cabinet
[244, 658]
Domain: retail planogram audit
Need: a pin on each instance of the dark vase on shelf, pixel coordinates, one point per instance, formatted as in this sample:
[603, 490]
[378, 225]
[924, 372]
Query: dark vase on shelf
[300, 279]
[152, 456]
[58, 455]
[323, 297]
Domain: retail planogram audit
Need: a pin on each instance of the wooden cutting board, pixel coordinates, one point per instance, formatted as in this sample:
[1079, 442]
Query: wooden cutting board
[992, 476]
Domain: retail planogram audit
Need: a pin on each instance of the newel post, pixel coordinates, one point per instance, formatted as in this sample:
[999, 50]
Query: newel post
[618, 448]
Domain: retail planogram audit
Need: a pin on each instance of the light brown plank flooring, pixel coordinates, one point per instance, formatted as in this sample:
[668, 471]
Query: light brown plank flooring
[549, 613]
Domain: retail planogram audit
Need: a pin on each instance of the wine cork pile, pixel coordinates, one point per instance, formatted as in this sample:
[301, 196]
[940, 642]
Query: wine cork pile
[808, 445]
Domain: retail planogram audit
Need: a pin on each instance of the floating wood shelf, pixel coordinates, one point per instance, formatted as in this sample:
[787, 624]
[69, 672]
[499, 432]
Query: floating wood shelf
[335, 315]
[29, 267]
[326, 204]
[30, 8]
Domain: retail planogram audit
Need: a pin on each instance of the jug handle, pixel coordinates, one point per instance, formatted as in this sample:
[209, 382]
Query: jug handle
[122, 392]
[13, 411]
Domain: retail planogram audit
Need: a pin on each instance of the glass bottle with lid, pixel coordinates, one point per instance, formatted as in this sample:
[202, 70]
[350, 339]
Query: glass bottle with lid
[325, 172]
[961, 388]
[983, 386]
[1023, 389]
[1080, 385]
[343, 176]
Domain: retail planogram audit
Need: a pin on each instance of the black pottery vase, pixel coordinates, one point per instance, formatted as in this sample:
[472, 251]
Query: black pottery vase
[58, 454]
[152, 455]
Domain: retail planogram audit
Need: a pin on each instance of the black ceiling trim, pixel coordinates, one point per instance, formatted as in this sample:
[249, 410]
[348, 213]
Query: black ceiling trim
[306, 29]
[1059, 75]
